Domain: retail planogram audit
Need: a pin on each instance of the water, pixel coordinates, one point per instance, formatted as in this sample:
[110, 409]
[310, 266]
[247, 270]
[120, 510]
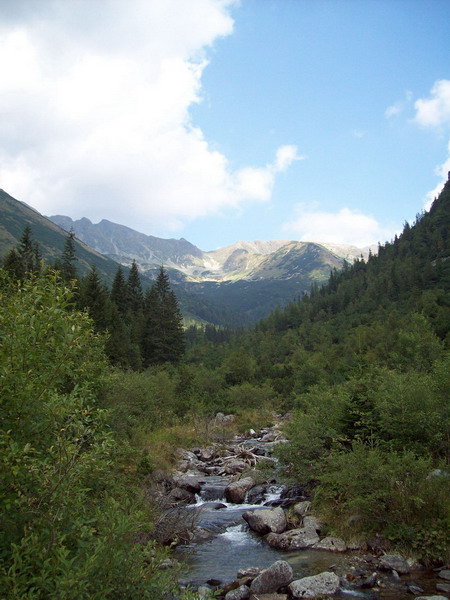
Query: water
[233, 546]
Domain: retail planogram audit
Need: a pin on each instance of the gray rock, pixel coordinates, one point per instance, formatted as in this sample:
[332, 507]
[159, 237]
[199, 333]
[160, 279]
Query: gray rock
[235, 465]
[394, 562]
[268, 597]
[445, 574]
[295, 539]
[332, 544]
[257, 494]
[249, 572]
[271, 579]
[180, 496]
[443, 587]
[302, 508]
[267, 520]
[316, 585]
[240, 593]
[235, 492]
[431, 598]
[191, 484]
[312, 523]
[204, 591]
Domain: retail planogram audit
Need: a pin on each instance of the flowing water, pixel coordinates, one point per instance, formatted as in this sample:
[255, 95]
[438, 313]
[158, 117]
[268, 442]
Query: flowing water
[233, 546]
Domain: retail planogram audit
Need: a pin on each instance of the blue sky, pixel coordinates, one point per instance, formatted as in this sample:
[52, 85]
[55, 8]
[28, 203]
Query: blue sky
[260, 119]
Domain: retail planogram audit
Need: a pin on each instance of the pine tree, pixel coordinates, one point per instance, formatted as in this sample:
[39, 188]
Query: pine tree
[95, 298]
[68, 258]
[135, 299]
[119, 291]
[29, 253]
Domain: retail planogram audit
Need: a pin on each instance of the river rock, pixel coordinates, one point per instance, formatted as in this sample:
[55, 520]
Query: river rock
[211, 506]
[295, 539]
[271, 579]
[240, 593]
[443, 587]
[431, 598]
[257, 493]
[249, 572]
[444, 574]
[179, 496]
[268, 597]
[312, 523]
[189, 483]
[267, 520]
[235, 465]
[302, 508]
[332, 544]
[235, 492]
[204, 592]
[394, 562]
[317, 585]
[293, 494]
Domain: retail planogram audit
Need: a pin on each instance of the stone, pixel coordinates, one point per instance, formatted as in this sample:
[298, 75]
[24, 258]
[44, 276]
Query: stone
[443, 587]
[431, 598]
[249, 572]
[240, 593]
[293, 494]
[317, 585]
[257, 494]
[279, 574]
[414, 589]
[235, 465]
[295, 539]
[445, 574]
[301, 508]
[332, 544]
[264, 520]
[204, 591]
[211, 506]
[180, 496]
[312, 523]
[235, 492]
[394, 562]
[191, 484]
[268, 597]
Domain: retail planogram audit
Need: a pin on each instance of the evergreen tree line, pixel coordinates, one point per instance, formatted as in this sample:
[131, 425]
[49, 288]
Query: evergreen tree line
[143, 328]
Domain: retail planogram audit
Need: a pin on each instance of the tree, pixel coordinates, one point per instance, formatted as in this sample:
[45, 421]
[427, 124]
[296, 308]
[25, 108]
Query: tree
[119, 291]
[95, 298]
[68, 258]
[134, 289]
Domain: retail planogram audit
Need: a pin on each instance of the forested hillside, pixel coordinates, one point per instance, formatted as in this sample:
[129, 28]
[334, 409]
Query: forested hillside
[98, 393]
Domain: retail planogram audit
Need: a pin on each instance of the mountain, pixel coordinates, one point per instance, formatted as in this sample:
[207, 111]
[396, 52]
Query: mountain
[247, 278]
[15, 216]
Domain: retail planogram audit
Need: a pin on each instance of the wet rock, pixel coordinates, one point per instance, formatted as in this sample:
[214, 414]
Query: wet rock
[249, 572]
[235, 465]
[205, 454]
[240, 593]
[443, 587]
[414, 589]
[394, 562]
[316, 585]
[200, 534]
[295, 539]
[189, 483]
[294, 494]
[445, 574]
[212, 506]
[265, 521]
[302, 508]
[271, 579]
[180, 496]
[431, 598]
[368, 582]
[332, 544]
[257, 493]
[268, 597]
[235, 492]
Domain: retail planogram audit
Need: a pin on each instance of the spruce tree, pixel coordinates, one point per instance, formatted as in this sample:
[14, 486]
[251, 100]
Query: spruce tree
[135, 299]
[68, 258]
[119, 291]
[95, 298]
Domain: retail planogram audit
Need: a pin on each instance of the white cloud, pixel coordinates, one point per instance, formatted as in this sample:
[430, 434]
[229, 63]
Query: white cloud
[435, 111]
[442, 172]
[398, 107]
[345, 226]
[95, 100]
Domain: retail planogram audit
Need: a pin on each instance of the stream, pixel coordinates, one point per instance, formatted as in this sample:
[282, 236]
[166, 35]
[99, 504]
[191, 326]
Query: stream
[231, 545]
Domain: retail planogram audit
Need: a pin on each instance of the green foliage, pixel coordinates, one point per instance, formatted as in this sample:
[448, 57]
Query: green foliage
[68, 518]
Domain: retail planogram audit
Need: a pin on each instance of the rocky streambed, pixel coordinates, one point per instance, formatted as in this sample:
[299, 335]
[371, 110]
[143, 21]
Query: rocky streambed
[239, 534]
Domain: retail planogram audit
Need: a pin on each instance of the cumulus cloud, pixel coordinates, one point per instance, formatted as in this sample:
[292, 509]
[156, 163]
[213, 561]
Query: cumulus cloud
[345, 226]
[96, 100]
[435, 111]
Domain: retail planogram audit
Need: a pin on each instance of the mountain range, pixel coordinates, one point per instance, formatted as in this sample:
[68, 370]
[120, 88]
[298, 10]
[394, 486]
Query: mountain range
[232, 286]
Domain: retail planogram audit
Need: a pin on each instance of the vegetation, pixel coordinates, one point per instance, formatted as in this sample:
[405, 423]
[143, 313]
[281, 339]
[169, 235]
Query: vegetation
[98, 392]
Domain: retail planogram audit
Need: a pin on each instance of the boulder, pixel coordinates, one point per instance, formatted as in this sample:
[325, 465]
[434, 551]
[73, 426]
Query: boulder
[332, 544]
[302, 508]
[249, 572]
[271, 579]
[443, 587]
[394, 562]
[269, 597]
[296, 493]
[317, 585]
[240, 593]
[264, 520]
[312, 523]
[257, 494]
[235, 492]
[431, 598]
[295, 539]
[233, 466]
[191, 484]
[205, 454]
[180, 496]
[444, 574]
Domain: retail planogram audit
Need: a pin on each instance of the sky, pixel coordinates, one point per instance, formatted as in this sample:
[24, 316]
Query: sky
[226, 120]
